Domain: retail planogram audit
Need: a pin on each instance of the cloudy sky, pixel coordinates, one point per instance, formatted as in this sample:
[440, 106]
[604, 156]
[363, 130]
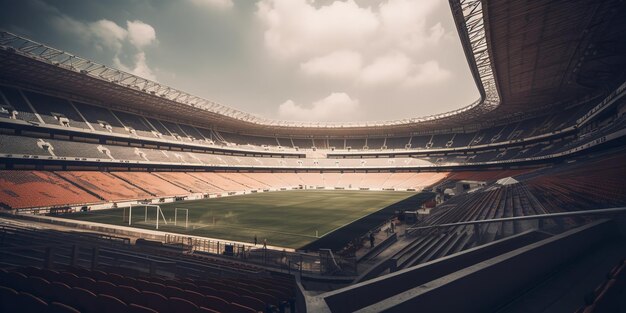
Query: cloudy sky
[322, 60]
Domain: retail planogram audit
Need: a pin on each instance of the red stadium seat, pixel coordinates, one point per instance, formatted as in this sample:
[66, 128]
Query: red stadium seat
[7, 295]
[56, 307]
[181, 305]
[135, 308]
[108, 303]
[26, 302]
[238, 308]
[152, 300]
[215, 303]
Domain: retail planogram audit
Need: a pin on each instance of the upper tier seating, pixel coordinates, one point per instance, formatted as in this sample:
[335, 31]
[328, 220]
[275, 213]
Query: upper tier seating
[161, 129]
[302, 143]
[59, 111]
[397, 142]
[136, 123]
[192, 132]
[14, 99]
[174, 130]
[460, 140]
[419, 142]
[338, 144]
[101, 119]
[439, 141]
[52, 110]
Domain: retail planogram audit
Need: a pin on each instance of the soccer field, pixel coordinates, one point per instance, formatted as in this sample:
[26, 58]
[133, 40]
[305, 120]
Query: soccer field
[286, 218]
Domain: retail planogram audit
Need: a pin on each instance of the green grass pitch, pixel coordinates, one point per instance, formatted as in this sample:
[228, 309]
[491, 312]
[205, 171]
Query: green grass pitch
[286, 218]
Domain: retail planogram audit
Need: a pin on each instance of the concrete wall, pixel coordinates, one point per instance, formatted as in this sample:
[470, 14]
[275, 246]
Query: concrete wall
[378, 289]
[494, 282]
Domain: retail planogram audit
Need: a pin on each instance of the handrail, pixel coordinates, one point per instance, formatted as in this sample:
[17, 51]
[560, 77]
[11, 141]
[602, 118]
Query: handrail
[619, 210]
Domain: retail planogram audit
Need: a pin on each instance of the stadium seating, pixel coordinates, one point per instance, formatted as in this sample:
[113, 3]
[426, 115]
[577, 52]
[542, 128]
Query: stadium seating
[93, 291]
[419, 142]
[556, 191]
[589, 185]
[15, 99]
[271, 180]
[221, 181]
[187, 182]
[150, 183]
[66, 288]
[14, 145]
[397, 142]
[302, 143]
[105, 185]
[40, 189]
[55, 111]
[100, 119]
[136, 123]
[161, 129]
[607, 296]
[570, 187]
[192, 132]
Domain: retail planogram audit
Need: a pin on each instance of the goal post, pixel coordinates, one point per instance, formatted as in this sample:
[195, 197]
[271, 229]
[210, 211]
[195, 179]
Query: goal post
[186, 216]
[128, 213]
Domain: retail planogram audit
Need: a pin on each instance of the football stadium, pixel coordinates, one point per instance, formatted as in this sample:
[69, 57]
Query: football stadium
[122, 193]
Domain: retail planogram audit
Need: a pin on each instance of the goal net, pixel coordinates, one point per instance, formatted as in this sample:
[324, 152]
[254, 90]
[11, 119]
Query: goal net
[147, 214]
[184, 216]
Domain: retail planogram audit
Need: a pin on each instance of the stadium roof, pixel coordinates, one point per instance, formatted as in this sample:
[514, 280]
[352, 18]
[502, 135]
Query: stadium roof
[549, 52]
[524, 56]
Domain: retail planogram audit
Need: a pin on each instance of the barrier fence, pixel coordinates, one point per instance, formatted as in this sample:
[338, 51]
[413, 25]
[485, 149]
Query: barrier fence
[324, 262]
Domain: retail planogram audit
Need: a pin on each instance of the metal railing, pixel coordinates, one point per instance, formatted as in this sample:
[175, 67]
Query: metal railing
[321, 263]
[611, 211]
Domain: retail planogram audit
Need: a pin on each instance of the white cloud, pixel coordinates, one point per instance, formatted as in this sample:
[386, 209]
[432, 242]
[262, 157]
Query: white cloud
[296, 27]
[427, 74]
[102, 34]
[299, 28]
[397, 68]
[106, 34]
[219, 4]
[139, 68]
[140, 34]
[70, 26]
[387, 69]
[324, 39]
[339, 64]
[337, 106]
[404, 23]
